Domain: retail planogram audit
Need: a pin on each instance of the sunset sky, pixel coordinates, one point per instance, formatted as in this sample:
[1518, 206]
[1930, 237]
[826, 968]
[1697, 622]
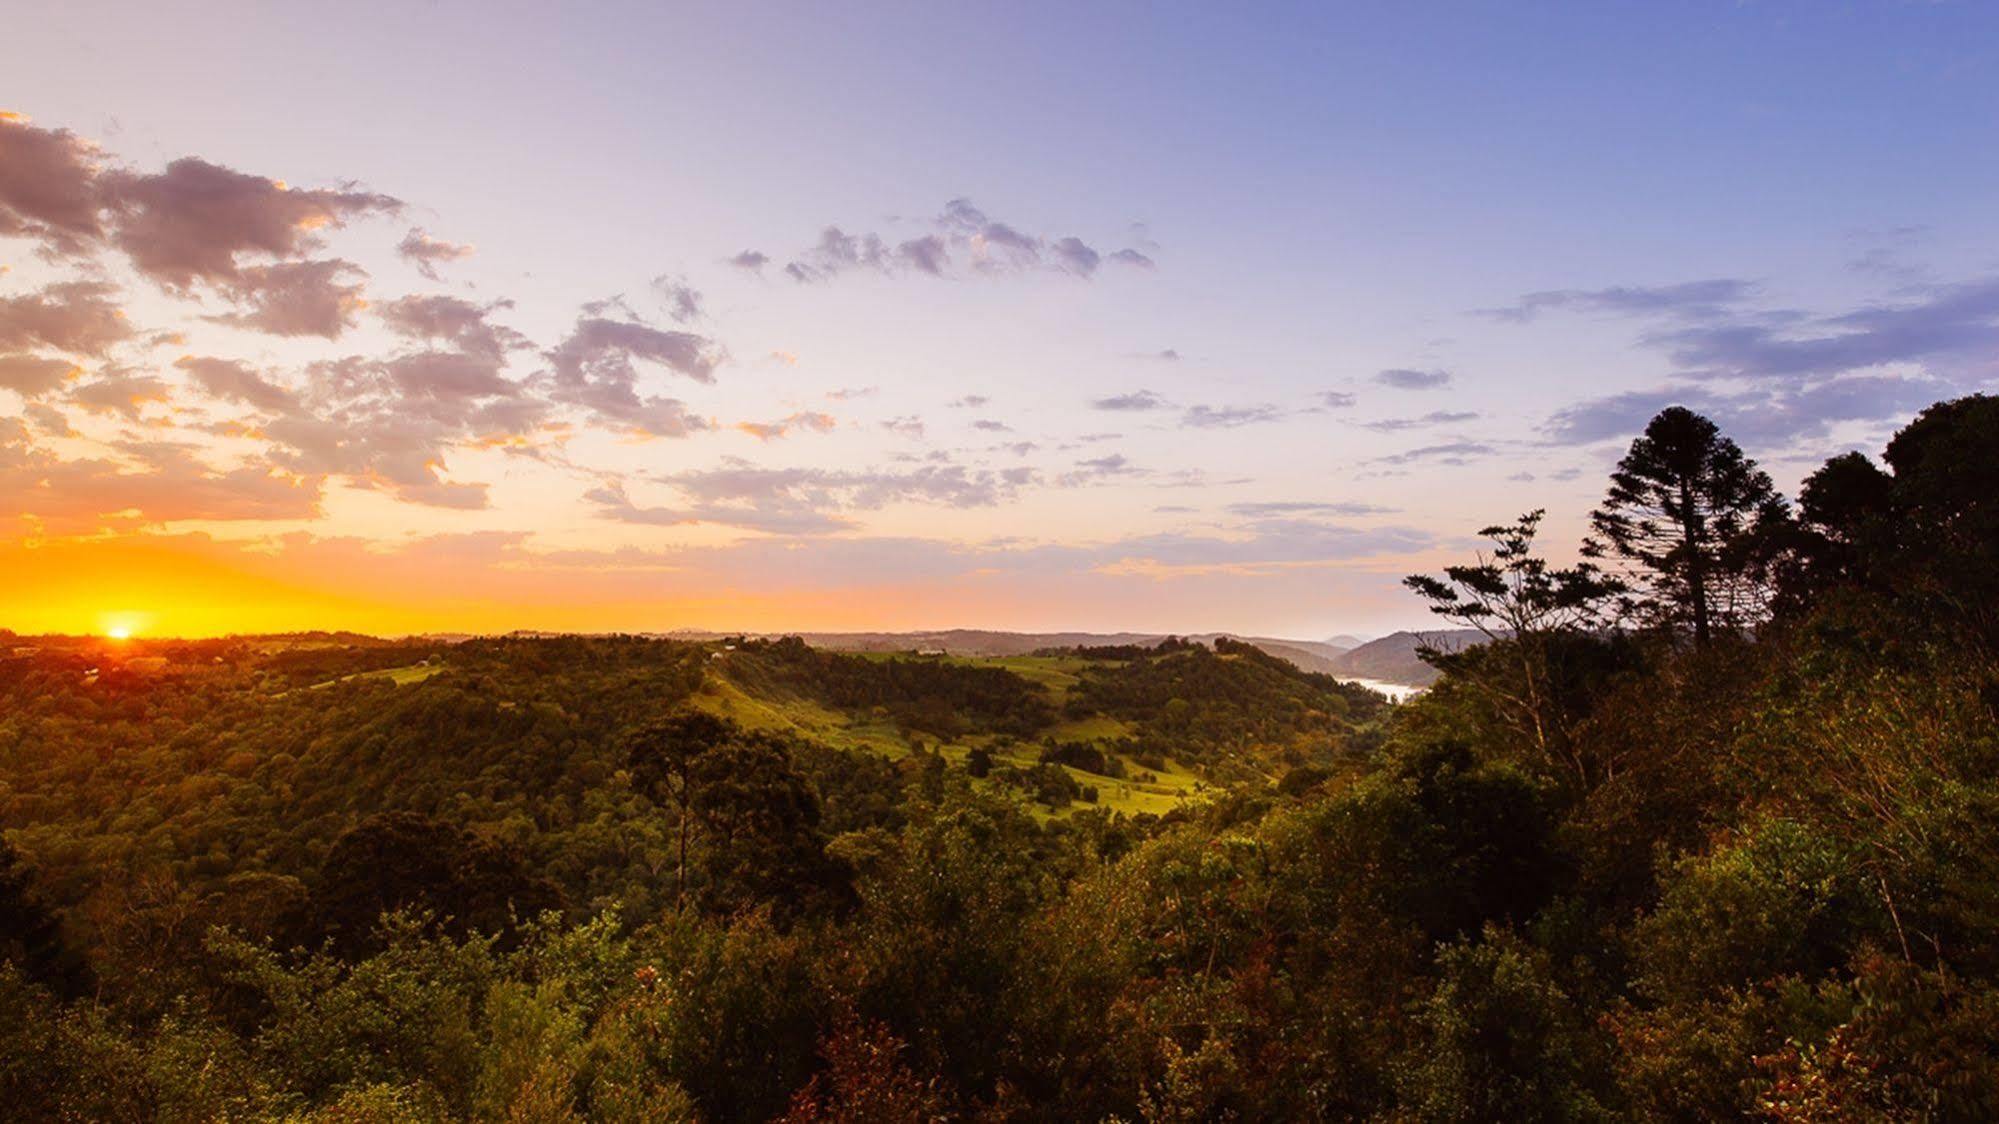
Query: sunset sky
[443, 316]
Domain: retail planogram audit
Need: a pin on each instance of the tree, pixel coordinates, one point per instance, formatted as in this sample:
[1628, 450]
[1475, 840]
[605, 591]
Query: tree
[1526, 609]
[31, 934]
[758, 816]
[407, 860]
[1924, 532]
[1843, 510]
[1691, 514]
[662, 754]
[1946, 509]
[760, 819]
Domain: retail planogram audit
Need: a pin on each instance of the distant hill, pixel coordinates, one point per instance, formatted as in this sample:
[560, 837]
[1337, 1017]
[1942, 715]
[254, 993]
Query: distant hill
[1306, 655]
[1393, 658]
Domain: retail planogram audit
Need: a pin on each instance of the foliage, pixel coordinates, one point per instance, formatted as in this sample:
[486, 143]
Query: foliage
[1695, 519]
[1592, 874]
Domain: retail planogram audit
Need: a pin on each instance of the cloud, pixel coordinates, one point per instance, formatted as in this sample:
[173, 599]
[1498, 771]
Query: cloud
[233, 381]
[460, 496]
[1099, 469]
[1692, 299]
[991, 426]
[77, 317]
[807, 420]
[683, 301]
[1434, 417]
[461, 323]
[391, 423]
[752, 260]
[927, 254]
[613, 504]
[169, 484]
[1336, 400]
[49, 420]
[191, 221]
[1267, 544]
[32, 376]
[1759, 416]
[839, 252]
[1135, 401]
[961, 233]
[427, 253]
[1449, 453]
[969, 402]
[594, 368]
[448, 376]
[1076, 257]
[1404, 378]
[1279, 508]
[736, 481]
[392, 427]
[202, 230]
[907, 425]
[121, 393]
[48, 186]
[1948, 323]
[1229, 417]
[309, 298]
[804, 501]
[1951, 328]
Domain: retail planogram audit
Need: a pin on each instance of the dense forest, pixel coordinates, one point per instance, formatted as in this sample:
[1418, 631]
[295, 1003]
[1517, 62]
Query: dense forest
[1708, 827]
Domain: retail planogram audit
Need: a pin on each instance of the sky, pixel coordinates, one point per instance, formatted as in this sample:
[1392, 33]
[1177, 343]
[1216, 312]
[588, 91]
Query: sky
[474, 317]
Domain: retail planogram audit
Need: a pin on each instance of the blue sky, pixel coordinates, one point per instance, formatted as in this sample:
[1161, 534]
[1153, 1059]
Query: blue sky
[1389, 273]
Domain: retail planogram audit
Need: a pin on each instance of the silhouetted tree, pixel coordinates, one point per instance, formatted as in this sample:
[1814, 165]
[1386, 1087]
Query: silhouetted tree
[1526, 608]
[1946, 509]
[1690, 513]
[1925, 530]
[1843, 508]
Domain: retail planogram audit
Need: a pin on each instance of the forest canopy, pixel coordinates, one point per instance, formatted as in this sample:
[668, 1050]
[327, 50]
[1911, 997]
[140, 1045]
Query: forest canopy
[1708, 827]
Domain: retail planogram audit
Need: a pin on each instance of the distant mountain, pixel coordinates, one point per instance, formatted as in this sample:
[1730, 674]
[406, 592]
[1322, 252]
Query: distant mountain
[1393, 658]
[1346, 641]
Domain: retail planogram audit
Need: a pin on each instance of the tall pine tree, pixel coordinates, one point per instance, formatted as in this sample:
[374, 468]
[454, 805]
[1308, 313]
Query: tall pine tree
[1688, 513]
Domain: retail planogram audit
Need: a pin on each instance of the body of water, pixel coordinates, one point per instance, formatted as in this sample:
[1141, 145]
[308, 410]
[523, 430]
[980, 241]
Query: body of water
[1400, 692]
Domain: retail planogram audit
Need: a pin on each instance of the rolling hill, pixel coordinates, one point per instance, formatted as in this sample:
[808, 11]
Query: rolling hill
[1393, 658]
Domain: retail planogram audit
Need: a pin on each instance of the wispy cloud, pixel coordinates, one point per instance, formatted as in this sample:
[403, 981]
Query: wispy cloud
[1406, 378]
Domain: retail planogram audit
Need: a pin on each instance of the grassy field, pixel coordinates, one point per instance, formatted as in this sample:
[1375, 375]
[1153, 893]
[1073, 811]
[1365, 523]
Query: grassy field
[1170, 788]
[1056, 674]
[801, 717]
[400, 676]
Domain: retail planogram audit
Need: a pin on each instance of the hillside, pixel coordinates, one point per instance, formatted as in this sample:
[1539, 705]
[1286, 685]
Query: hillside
[1394, 658]
[1623, 873]
[1308, 655]
[241, 756]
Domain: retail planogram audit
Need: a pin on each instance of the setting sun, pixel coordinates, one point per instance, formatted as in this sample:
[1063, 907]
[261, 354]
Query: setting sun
[123, 624]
